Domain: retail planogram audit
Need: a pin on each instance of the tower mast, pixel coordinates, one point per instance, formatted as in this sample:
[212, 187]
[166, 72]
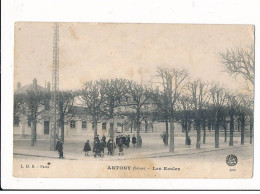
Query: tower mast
[55, 88]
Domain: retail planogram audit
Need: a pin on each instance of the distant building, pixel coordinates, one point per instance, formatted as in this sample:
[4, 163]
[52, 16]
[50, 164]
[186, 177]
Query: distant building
[78, 123]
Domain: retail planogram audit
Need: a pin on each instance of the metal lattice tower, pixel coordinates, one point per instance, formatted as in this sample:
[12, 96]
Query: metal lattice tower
[55, 88]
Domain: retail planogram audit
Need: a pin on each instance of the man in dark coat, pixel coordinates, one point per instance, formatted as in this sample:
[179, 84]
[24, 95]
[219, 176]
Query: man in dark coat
[87, 148]
[96, 148]
[104, 138]
[59, 147]
[124, 139]
[188, 141]
[140, 140]
[164, 138]
[117, 140]
[134, 140]
[102, 146]
[120, 146]
[127, 141]
[110, 148]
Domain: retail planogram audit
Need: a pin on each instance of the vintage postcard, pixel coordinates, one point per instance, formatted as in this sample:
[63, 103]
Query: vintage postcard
[116, 100]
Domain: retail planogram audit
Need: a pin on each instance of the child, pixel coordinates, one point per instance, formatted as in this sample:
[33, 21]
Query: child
[87, 148]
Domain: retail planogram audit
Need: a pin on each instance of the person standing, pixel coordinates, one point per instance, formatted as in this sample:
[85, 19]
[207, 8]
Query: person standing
[102, 147]
[87, 148]
[134, 140]
[96, 148]
[120, 146]
[188, 141]
[110, 146]
[127, 141]
[140, 140]
[59, 147]
[104, 138]
[117, 139]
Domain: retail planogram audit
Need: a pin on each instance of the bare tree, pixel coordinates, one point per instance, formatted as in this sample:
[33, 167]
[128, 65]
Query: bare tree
[33, 106]
[199, 93]
[240, 62]
[65, 104]
[185, 104]
[244, 110]
[93, 97]
[231, 104]
[161, 101]
[114, 89]
[218, 99]
[172, 80]
[140, 98]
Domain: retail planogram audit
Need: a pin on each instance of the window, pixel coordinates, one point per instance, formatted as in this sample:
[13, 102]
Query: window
[29, 124]
[126, 98]
[72, 124]
[104, 126]
[119, 124]
[84, 125]
[46, 127]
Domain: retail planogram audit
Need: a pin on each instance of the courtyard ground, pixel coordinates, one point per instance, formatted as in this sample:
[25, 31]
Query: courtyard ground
[152, 147]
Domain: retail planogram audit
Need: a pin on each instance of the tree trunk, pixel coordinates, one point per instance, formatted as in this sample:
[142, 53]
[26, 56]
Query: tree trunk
[198, 133]
[204, 130]
[231, 130]
[171, 149]
[131, 125]
[35, 131]
[152, 126]
[189, 125]
[138, 128]
[95, 129]
[251, 129]
[138, 135]
[186, 132]
[111, 135]
[238, 124]
[167, 131]
[146, 126]
[242, 129]
[209, 125]
[32, 135]
[217, 130]
[62, 127]
[183, 126]
[225, 130]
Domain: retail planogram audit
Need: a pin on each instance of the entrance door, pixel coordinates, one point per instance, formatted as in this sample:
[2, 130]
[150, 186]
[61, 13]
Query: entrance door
[46, 127]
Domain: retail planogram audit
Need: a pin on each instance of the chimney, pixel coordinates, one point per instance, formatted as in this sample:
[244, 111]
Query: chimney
[49, 86]
[35, 83]
[18, 85]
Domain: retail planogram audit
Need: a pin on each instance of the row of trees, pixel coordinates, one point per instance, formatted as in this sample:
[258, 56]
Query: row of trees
[35, 105]
[173, 96]
[179, 100]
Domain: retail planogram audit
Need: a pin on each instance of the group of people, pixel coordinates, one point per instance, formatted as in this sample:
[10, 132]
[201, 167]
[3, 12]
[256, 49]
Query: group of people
[99, 145]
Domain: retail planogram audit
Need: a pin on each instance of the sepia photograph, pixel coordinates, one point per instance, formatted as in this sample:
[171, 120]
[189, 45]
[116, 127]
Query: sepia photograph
[130, 100]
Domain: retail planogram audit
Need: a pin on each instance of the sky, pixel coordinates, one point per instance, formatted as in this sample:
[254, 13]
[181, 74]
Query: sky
[91, 51]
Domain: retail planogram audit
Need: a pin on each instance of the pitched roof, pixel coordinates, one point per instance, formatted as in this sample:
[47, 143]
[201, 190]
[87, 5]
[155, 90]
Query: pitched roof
[30, 87]
[79, 110]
